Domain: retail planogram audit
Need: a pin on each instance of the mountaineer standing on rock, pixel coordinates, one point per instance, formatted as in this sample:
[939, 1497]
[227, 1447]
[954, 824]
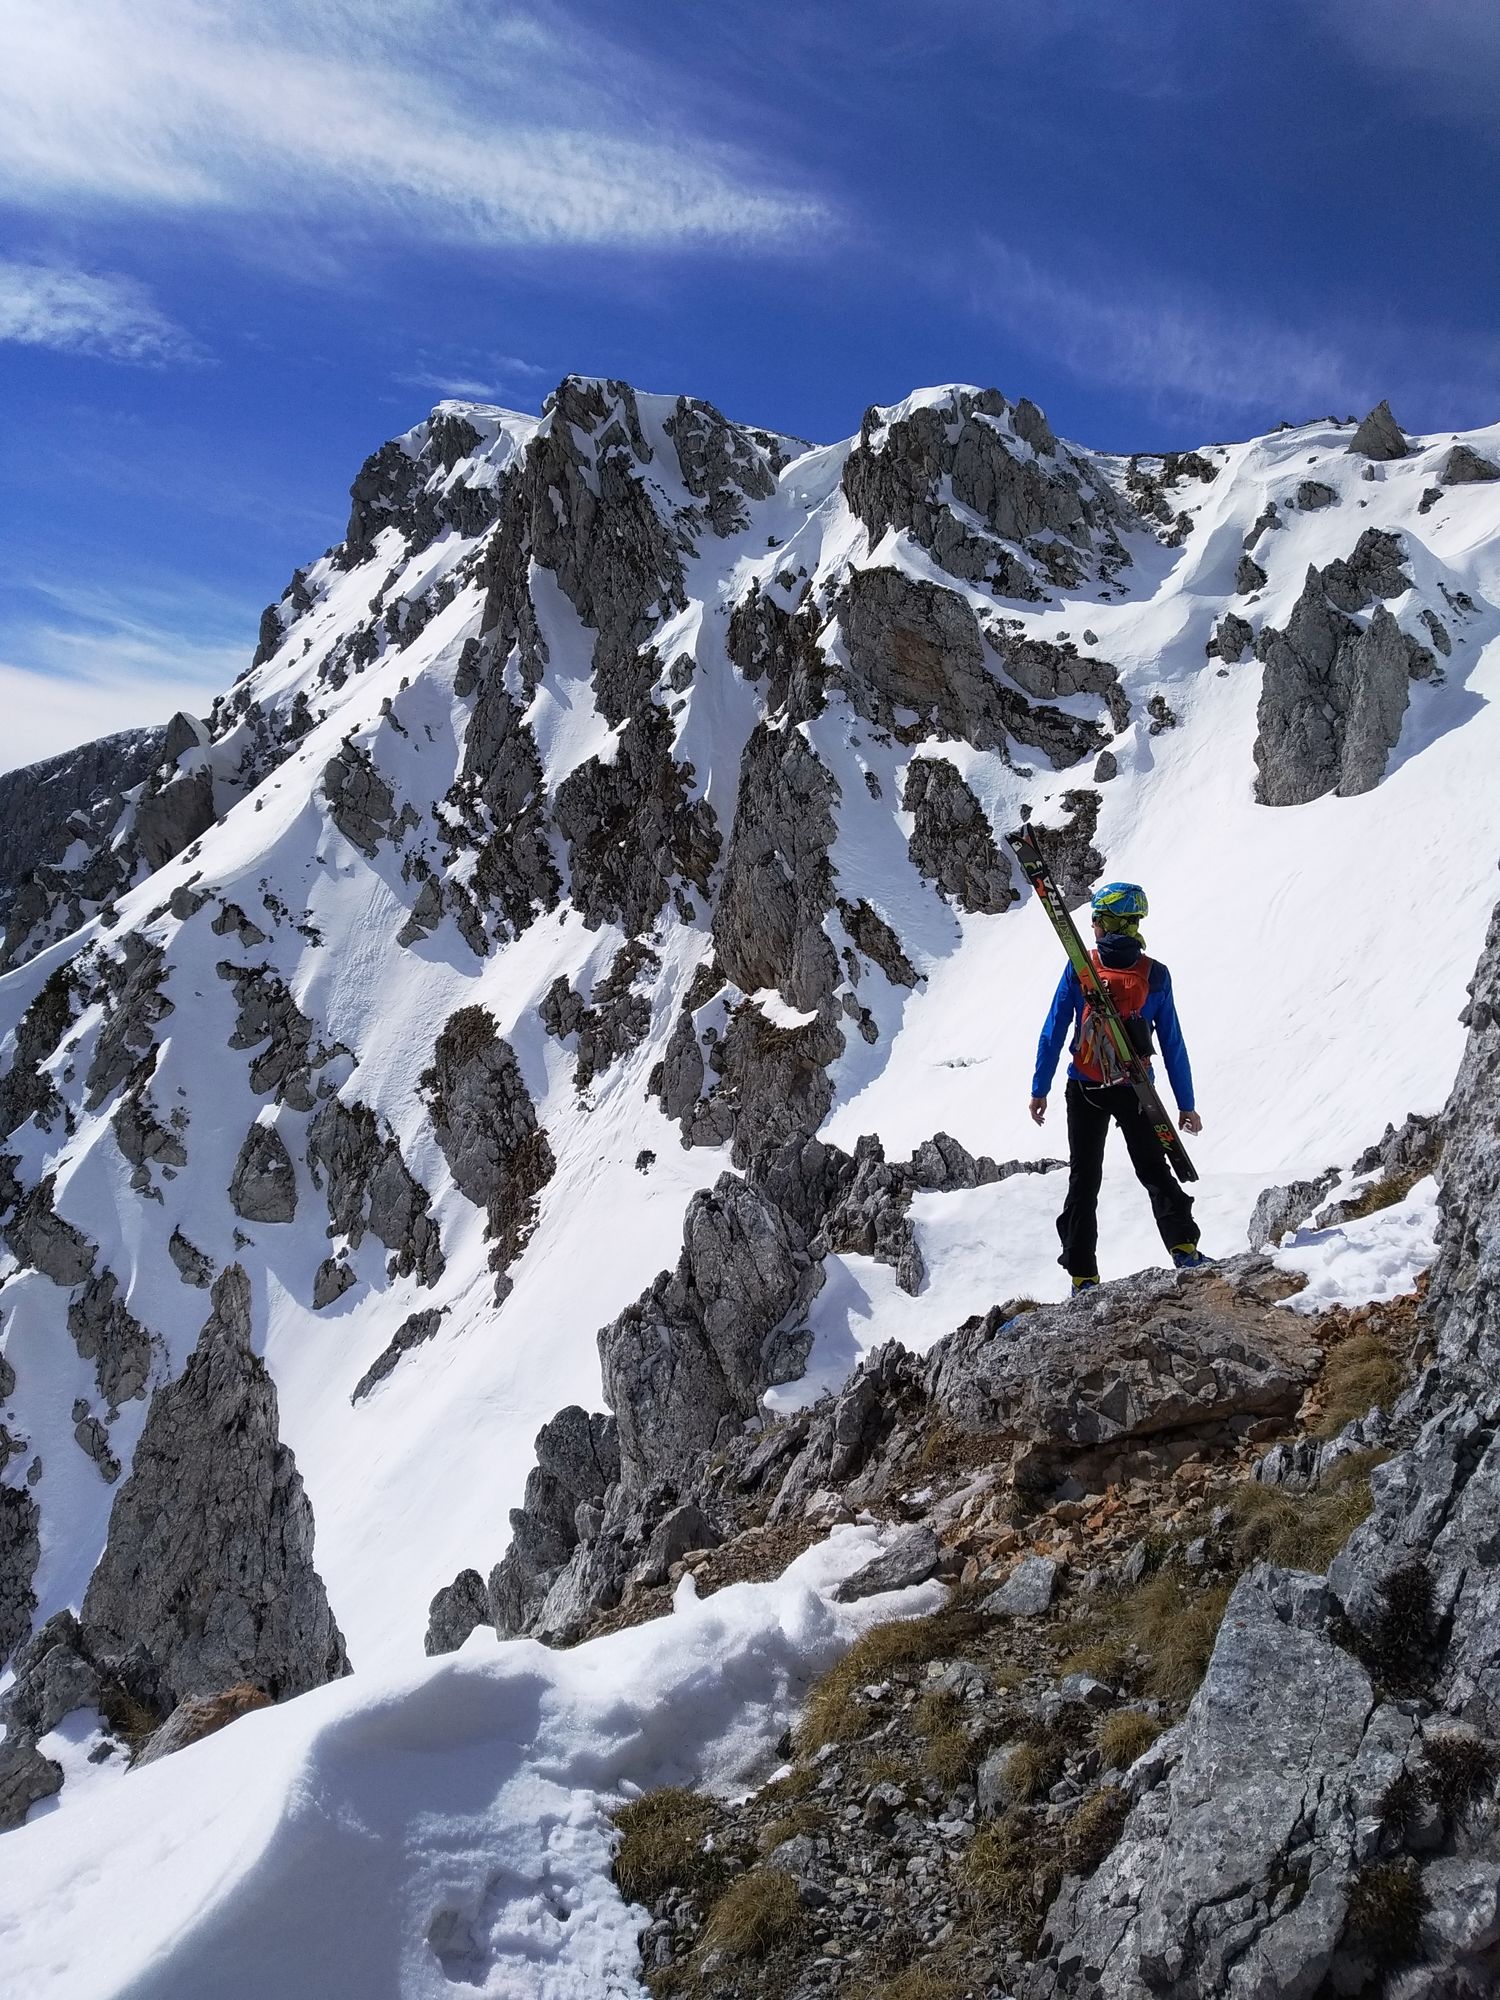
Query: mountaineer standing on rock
[1141, 989]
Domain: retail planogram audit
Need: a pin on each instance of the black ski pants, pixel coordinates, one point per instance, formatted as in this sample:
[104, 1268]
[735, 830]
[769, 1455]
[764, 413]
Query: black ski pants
[1090, 1107]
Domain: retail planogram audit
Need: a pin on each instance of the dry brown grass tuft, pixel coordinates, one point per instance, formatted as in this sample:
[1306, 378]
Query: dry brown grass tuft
[804, 1817]
[834, 1715]
[1109, 1657]
[1382, 1194]
[919, 1982]
[1304, 1531]
[1174, 1627]
[661, 1844]
[1386, 1907]
[1361, 1373]
[755, 1914]
[1461, 1770]
[1094, 1829]
[1126, 1735]
[998, 1869]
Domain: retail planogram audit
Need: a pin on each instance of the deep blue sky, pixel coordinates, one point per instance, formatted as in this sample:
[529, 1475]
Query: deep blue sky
[240, 244]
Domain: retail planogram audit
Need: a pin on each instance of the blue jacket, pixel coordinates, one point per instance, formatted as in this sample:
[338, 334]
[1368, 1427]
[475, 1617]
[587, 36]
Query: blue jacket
[1160, 1010]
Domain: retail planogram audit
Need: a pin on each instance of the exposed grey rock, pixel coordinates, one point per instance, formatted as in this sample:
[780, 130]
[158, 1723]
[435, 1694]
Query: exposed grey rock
[768, 642]
[1234, 637]
[1466, 467]
[194, 1266]
[1248, 577]
[778, 880]
[41, 1240]
[1274, 1766]
[577, 1460]
[772, 1082]
[915, 649]
[417, 491]
[1371, 570]
[171, 818]
[1048, 517]
[1268, 519]
[330, 1282]
[55, 1674]
[20, 1552]
[232, 918]
[105, 1333]
[617, 1018]
[1106, 766]
[369, 1186]
[1280, 1209]
[142, 1137]
[92, 1439]
[1332, 700]
[485, 1124]
[426, 912]
[135, 1003]
[633, 829]
[1149, 1356]
[1379, 436]
[500, 796]
[1075, 862]
[26, 1777]
[415, 1329]
[26, 1091]
[269, 1020]
[38, 799]
[263, 1186]
[1314, 493]
[1437, 631]
[209, 1559]
[721, 463]
[458, 1609]
[360, 803]
[678, 1533]
[910, 1557]
[690, 1351]
[1465, 1289]
[1050, 671]
[1026, 1592]
[875, 938]
[951, 840]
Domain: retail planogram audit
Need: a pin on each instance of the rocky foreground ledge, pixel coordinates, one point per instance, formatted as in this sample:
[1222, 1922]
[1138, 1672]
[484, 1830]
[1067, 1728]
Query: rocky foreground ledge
[1214, 1707]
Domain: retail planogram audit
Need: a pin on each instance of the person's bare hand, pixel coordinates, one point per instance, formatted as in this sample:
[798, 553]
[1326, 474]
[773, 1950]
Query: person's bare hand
[1190, 1121]
[1038, 1109]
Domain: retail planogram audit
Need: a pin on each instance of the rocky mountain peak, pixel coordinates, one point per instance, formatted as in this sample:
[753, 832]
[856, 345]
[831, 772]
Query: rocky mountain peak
[569, 1007]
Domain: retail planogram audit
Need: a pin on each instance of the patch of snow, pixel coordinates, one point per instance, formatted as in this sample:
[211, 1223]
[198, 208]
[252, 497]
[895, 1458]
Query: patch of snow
[446, 1827]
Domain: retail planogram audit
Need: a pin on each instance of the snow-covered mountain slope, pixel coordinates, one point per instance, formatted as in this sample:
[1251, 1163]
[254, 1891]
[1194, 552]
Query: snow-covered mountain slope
[615, 807]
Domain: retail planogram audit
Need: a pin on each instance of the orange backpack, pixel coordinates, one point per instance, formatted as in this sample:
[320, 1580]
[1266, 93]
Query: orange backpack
[1094, 1054]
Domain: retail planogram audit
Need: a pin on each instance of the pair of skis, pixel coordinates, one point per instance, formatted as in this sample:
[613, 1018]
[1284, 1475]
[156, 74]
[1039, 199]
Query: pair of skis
[1028, 851]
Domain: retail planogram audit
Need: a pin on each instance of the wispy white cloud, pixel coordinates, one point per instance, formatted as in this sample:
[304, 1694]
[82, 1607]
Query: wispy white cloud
[1175, 345]
[480, 379]
[430, 118]
[83, 312]
[46, 713]
[94, 660]
[1443, 54]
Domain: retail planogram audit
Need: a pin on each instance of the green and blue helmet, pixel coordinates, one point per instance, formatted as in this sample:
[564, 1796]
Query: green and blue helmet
[1119, 906]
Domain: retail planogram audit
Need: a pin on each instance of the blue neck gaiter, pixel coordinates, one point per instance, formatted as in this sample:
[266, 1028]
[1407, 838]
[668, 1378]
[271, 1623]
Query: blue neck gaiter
[1119, 951]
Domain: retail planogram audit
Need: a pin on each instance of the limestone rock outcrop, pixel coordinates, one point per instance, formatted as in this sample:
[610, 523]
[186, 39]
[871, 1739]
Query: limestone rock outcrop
[209, 1558]
[1334, 692]
[1379, 436]
[486, 1126]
